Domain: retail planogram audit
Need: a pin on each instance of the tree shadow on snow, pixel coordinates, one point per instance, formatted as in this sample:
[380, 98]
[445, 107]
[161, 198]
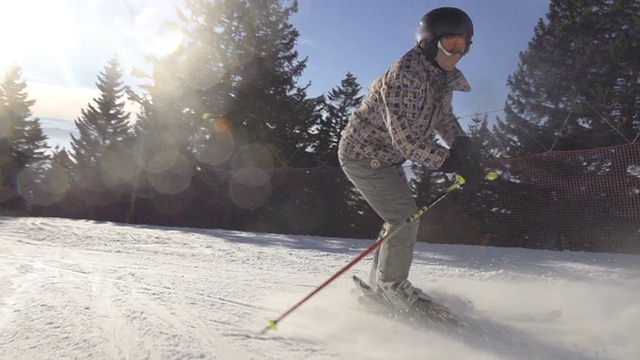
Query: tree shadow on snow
[301, 242]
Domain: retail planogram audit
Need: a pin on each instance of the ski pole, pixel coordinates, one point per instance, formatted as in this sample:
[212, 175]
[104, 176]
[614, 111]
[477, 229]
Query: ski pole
[458, 183]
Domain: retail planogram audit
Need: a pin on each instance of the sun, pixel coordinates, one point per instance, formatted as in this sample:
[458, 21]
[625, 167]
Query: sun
[35, 27]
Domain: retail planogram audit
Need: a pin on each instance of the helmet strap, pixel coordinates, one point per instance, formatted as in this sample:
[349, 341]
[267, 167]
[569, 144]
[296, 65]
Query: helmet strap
[429, 49]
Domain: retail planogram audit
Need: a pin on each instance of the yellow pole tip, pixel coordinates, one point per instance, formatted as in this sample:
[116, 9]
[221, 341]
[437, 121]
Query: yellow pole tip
[272, 324]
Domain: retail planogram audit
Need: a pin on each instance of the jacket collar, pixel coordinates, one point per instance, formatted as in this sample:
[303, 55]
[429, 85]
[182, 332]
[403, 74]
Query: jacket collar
[457, 81]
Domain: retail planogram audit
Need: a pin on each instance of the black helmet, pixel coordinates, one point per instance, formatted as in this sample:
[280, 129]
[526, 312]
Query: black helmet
[444, 21]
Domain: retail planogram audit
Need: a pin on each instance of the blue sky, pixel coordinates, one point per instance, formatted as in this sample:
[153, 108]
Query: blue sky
[68, 42]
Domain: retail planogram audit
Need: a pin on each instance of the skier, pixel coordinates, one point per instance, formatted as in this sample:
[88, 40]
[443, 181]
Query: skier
[395, 123]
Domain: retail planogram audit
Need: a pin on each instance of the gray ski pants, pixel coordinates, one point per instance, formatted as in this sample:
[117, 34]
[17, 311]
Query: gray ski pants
[386, 188]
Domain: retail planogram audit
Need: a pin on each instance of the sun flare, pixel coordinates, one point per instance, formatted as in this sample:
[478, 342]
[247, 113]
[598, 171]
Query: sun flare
[35, 27]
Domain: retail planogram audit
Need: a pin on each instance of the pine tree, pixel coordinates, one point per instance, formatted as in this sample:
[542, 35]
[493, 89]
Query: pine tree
[340, 103]
[103, 125]
[18, 123]
[102, 149]
[269, 104]
[229, 88]
[63, 164]
[24, 144]
[576, 85]
[483, 134]
[237, 63]
[344, 211]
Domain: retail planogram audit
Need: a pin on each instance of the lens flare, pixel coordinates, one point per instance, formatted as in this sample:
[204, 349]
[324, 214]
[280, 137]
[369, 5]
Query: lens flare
[250, 188]
[170, 179]
[43, 191]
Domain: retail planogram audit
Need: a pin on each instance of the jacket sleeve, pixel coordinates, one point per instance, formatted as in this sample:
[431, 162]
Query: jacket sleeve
[402, 103]
[448, 127]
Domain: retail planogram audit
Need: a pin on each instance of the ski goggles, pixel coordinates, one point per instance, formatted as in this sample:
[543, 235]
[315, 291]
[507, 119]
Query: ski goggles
[453, 45]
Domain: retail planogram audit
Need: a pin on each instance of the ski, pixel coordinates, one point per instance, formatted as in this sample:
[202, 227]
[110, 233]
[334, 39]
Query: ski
[438, 313]
[431, 313]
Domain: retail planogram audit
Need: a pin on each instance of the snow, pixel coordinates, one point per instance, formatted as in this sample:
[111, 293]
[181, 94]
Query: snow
[76, 289]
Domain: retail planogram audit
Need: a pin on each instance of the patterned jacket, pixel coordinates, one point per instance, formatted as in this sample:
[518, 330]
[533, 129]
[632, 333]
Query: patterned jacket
[401, 110]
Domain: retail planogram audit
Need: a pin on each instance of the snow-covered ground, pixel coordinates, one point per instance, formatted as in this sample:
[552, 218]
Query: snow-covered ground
[74, 289]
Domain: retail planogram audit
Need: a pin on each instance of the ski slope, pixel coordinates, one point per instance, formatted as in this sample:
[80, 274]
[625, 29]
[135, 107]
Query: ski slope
[74, 289]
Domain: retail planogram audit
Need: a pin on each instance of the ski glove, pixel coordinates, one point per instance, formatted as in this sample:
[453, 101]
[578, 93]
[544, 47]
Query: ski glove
[464, 160]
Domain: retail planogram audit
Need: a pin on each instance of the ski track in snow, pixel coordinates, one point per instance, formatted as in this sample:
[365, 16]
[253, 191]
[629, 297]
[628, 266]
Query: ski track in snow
[75, 289]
